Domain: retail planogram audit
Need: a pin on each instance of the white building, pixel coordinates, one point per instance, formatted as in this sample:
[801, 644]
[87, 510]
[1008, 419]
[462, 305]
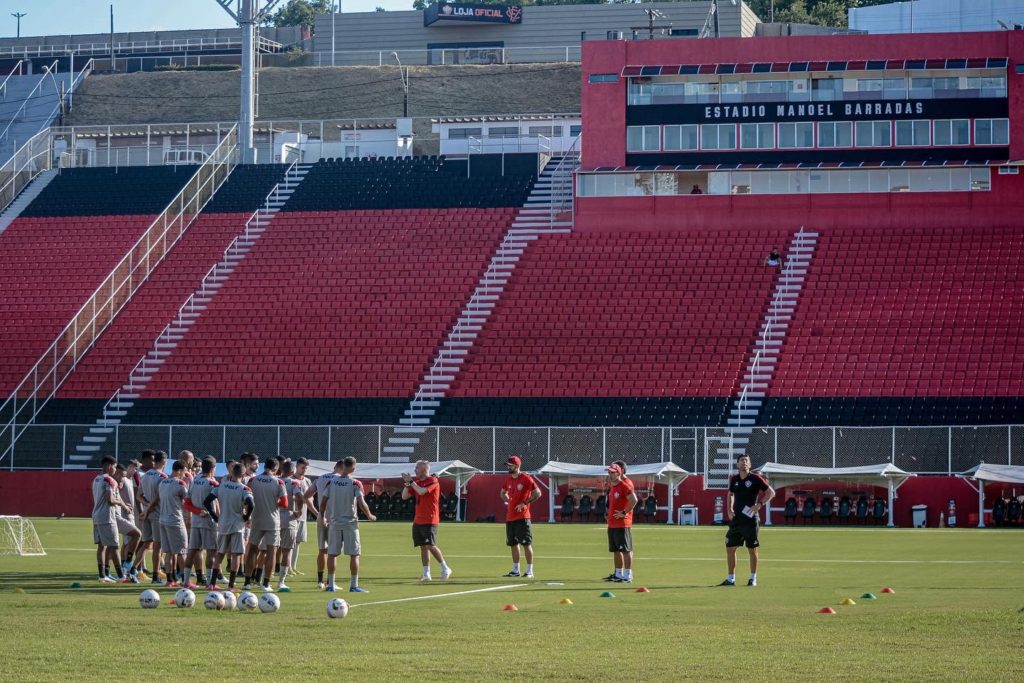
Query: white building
[462, 135]
[937, 16]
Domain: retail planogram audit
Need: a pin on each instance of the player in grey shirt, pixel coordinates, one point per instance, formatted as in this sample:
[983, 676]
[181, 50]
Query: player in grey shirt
[270, 498]
[126, 518]
[146, 493]
[203, 534]
[341, 496]
[170, 502]
[318, 488]
[105, 503]
[234, 506]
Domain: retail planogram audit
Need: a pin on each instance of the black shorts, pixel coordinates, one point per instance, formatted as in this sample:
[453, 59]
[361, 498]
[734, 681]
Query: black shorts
[518, 532]
[620, 540]
[424, 534]
[742, 532]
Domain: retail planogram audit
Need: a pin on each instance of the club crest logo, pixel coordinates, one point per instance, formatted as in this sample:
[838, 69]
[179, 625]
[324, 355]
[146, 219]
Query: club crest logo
[747, 483]
[519, 487]
[514, 14]
[446, 9]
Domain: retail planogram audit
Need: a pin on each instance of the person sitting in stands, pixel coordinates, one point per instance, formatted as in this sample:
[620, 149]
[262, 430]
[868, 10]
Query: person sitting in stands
[774, 258]
[696, 190]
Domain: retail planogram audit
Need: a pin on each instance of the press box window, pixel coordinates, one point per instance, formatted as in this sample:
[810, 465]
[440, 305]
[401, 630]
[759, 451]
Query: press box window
[503, 131]
[680, 138]
[950, 132]
[603, 78]
[574, 131]
[546, 131]
[992, 132]
[718, 136]
[464, 133]
[873, 134]
[833, 134]
[796, 135]
[757, 135]
[643, 138]
[913, 133]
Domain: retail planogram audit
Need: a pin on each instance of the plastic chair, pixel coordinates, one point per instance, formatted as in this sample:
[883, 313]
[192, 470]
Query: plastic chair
[568, 505]
[999, 511]
[791, 510]
[878, 510]
[650, 508]
[862, 510]
[826, 509]
[808, 511]
[601, 507]
[844, 510]
[586, 504]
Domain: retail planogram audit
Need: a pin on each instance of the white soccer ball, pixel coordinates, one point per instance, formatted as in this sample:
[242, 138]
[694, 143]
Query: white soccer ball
[229, 600]
[247, 602]
[269, 603]
[214, 601]
[184, 598]
[337, 608]
[149, 599]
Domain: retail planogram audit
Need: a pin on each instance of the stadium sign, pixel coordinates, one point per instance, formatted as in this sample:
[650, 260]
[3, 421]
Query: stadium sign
[817, 111]
[484, 14]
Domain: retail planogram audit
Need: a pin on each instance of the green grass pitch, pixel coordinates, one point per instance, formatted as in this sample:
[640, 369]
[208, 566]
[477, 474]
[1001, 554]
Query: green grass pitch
[956, 613]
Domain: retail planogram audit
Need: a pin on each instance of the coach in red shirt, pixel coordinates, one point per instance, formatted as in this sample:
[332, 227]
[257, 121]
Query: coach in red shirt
[518, 492]
[427, 491]
[621, 501]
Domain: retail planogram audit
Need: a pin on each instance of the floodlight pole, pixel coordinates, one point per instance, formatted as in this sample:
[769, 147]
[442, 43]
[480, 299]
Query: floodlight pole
[18, 16]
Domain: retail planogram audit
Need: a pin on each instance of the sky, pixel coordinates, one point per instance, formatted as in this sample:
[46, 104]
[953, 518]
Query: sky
[62, 17]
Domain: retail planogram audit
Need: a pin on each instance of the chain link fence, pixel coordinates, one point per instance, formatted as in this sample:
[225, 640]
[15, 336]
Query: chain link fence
[922, 450]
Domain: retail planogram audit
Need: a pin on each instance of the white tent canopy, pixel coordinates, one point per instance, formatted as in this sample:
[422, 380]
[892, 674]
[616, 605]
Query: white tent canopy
[1002, 474]
[453, 469]
[884, 474]
[664, 472]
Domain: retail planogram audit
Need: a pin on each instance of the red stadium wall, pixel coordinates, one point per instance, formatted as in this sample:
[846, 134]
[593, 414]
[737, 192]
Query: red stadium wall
[604, 104]
[1000, 206]
[48, 493]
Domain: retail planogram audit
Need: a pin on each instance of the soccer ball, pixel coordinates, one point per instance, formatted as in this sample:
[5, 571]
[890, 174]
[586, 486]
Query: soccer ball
[149, 599]
[184, 598]
[247, 602]
[229, 600]
[214, 601]
[337, 608]
[269, 603]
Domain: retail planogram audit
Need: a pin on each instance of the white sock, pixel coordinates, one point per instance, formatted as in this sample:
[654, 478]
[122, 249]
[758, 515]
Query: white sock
[188, 575]
[330, 579]
[355, 581]
[627, 573]
[295, 558]
[529, 569]
[283, 573]
[731, 577]
[618, 572]
[445, 568]
[426, 570]
[753, 576]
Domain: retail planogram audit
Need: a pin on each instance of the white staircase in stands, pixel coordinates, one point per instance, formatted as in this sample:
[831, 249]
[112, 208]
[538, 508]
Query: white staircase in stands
[124, 399]
[746, 406]
[25, 198]
[548, 209]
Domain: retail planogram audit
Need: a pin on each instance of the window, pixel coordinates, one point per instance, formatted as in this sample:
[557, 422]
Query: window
[643, 138]
[464, 133]
[913, 133]
[992, 132]
[718, 136]
[678, 138]
[546, 131]
[950, 132]
[873, 134]
[825, 89]
[769, 87]
[835, 134]
[757, 136]
[574, 131]
[603, 78]
[989, 86]
[503, 132]
[796, 135]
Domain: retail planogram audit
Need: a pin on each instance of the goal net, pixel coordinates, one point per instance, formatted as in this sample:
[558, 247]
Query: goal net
[18, 537]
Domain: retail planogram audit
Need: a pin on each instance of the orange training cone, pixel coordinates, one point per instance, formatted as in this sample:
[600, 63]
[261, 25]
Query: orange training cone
[509, 608]
[826, 610]
[643, 589]
[888, 590]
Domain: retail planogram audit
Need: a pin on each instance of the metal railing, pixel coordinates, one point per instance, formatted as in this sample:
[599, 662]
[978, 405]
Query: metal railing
[450, 56]
[562, 178]
[135, 46]
[34, 157]
[61, 357]
[921, 450]
[48, 71]
[17, 67]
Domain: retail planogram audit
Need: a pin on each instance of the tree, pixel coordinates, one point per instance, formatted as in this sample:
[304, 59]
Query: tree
[299, 13]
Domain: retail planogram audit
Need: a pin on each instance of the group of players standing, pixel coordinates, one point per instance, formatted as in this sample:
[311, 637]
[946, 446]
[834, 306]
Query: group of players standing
[258, 521]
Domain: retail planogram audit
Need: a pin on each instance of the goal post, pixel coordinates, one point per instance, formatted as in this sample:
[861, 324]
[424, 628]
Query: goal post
[18, 536]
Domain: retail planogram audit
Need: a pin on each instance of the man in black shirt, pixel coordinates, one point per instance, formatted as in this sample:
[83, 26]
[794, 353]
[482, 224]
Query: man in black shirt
[748, 493]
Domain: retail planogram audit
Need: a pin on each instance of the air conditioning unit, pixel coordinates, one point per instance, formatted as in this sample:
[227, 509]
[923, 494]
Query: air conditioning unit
[800, 86]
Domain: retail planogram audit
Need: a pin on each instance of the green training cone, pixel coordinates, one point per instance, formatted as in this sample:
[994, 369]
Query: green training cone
[76, 585]
[868, 596]
[607, 594]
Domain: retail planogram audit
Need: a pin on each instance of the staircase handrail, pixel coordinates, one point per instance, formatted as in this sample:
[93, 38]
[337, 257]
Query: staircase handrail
[81, 332]
[16, 67]
[190, 303]
[47, 71]
[561, 181]
[33, 158]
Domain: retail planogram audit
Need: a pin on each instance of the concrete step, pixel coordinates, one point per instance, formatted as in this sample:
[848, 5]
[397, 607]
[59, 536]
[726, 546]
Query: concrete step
[412, 421]
[404, 441]
[393, 459]
[91, 438]
[410, 430]
[398, 449]
[427, 404]
[90, 448]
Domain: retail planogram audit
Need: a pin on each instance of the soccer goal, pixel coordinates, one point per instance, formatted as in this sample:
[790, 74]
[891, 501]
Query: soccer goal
[18, 537]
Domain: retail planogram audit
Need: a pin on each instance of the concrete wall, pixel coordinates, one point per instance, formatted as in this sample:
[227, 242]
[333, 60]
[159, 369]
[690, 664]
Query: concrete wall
[285, 36]
[542, 26]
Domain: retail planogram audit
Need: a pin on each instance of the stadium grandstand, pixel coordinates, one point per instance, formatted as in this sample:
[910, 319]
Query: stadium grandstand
[806, 249]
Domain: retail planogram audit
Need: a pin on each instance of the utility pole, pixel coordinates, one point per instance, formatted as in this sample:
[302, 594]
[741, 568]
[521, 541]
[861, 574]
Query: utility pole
[113, 66]
[18, 16]
[403, 73]
[248, 17]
